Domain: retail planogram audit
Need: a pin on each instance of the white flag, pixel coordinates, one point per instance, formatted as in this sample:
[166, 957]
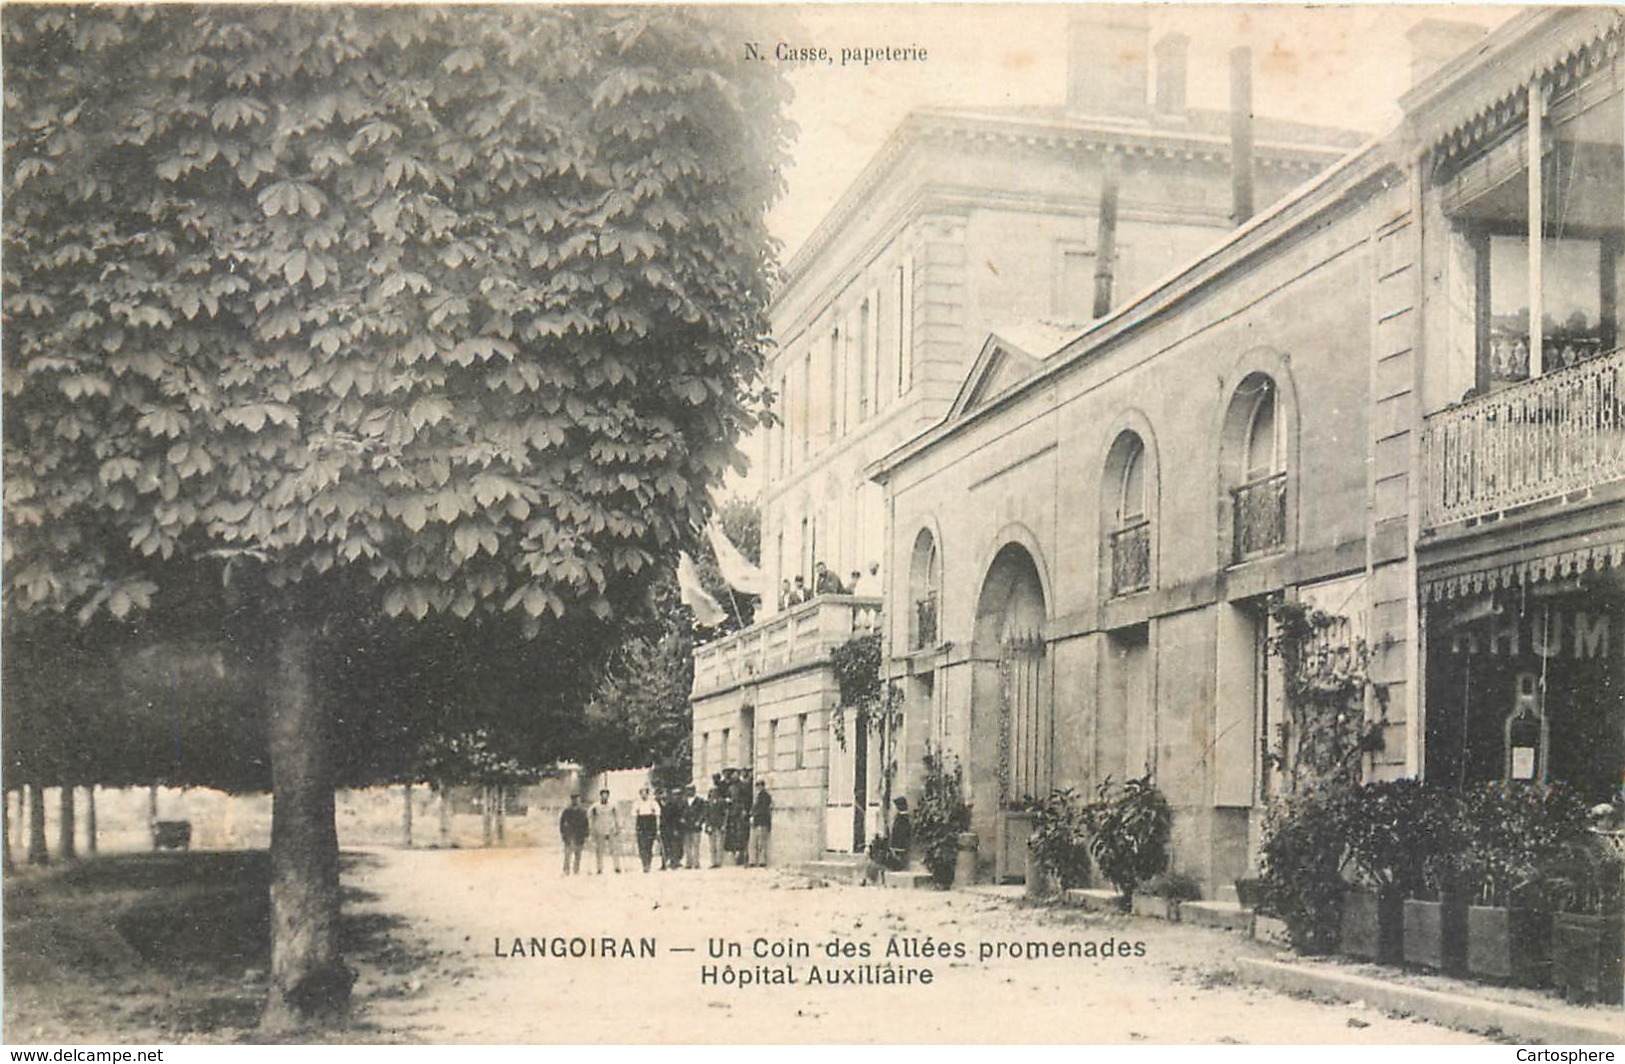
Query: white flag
[706, 609]
[739, 572]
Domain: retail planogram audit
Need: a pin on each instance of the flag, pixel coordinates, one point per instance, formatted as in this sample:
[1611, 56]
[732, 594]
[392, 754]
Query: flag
[706, 609]
[740, 574]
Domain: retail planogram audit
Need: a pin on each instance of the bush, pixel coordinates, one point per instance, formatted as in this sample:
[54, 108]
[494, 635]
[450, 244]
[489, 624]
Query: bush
[1175, 886]
[1515, 834]
[1302, 864]
[941, 818]
[1386, 830]
[1130, 826]
[1061, 837]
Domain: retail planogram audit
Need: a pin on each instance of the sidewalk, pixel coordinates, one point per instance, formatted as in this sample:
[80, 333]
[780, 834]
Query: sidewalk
[1515, 1013]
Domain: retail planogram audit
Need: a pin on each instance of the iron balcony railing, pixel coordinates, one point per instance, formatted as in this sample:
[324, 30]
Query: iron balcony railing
[1259, 510]
[1131, 558]
[925, 621]
[1535, 440]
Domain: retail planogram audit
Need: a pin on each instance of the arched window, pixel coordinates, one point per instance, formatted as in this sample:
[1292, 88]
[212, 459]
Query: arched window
[924, 575]
[1126, 506]
[1256, 476]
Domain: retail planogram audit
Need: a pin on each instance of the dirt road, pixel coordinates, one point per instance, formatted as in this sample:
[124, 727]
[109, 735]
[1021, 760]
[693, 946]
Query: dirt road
[1118, 979]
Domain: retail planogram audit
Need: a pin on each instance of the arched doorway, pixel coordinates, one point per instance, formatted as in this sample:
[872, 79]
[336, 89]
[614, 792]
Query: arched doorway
[1014, 710]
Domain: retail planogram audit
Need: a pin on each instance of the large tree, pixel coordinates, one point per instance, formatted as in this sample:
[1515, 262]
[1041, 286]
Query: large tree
[319, 312]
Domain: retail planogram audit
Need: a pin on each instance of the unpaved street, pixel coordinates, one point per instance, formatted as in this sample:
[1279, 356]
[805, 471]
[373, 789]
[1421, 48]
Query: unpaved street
[467, 907]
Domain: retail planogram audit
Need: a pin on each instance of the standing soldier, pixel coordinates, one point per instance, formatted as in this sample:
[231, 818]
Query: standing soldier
[716, 818]
[646, 822]
[672, 826]
[573, 833]
[605, 821]
[761, 825]
[695, 813]
[738, 815]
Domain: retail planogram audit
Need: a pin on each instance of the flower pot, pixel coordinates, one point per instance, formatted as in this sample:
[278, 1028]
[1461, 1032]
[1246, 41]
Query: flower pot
[1586, 957]
[1510, 944]
[1436, 934]
[1373, 926]
[1155, 907]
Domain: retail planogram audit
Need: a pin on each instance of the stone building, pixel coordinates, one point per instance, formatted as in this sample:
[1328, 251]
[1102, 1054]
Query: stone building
[1397, 394]
[1022, 223]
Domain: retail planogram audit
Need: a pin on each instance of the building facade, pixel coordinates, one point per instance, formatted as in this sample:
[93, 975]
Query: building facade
[1395, 395]
[1020, 223]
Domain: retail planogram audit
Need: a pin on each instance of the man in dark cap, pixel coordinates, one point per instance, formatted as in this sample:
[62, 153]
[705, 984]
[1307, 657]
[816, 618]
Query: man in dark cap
[716, 818]
[761, 825]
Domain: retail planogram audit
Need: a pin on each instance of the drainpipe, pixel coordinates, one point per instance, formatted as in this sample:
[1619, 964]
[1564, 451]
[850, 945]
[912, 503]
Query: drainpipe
[1241, 134]
[1106, 237]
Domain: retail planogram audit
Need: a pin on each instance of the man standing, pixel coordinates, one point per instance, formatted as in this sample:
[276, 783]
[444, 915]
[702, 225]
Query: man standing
[716, 818]
[646, 822]
[573, 833]
[761, 825]
[739, 815]
[672, 826]
[605, 821]
[694, 824]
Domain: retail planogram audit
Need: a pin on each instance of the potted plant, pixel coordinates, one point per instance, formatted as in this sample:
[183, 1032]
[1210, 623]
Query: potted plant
[1435, 917]
[942, 816]
[1382, 827]
[1058, 848]
[1515, 834]
[1301, 862]
[1586, 928]
[1129, 831]
[1161, 895]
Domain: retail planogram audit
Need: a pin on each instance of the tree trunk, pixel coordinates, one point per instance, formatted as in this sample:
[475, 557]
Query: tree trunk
[38, 851]
[406, 815]
[445, 816]
[485, 814]
[501, 801]
[310, 983]
[66, 848]
[5, 831]
[90, 820]
[152, 804]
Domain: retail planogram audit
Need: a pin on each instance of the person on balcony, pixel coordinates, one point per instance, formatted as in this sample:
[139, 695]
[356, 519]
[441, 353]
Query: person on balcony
[825, 582]
[798, 594]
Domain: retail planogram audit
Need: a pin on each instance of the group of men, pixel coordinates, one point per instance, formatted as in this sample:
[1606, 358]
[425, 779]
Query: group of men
[737, 824]
[827, 582]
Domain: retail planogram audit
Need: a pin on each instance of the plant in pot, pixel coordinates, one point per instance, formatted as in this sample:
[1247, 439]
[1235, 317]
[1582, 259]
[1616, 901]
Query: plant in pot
[1161, 895]
[1383, 832]
[1129, 827]
[942, 816]
[1301, 862]
[1516, 833]
[1435, 916]
[1059, 845]
[1586, 927]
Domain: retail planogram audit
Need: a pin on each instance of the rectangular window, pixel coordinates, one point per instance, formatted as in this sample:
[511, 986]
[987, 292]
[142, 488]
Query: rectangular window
[727, 736]
[834, 382]
[772, 745]
[804, 395]
[705, 750]
[801, 741]
[784, 424]
[863, 361]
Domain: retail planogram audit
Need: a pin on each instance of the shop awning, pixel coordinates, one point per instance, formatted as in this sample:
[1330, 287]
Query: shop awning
[1519, 568]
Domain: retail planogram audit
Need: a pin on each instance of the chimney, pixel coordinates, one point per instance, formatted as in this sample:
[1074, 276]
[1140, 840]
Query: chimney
[1241, 134]
[1106, 234]
[1171, 53]
[1436, 41]
[1107, 61]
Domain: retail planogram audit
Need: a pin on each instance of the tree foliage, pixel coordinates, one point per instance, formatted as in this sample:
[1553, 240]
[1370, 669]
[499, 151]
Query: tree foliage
[448, 311]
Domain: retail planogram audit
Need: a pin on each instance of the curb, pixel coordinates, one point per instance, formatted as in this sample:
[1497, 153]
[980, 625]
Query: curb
[1520, 1022]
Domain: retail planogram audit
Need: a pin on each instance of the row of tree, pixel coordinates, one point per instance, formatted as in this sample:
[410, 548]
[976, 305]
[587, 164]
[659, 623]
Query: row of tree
[365, 370]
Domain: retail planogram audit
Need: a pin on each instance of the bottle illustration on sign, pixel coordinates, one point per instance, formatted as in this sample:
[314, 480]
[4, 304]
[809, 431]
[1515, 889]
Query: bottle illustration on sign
[1526, 730]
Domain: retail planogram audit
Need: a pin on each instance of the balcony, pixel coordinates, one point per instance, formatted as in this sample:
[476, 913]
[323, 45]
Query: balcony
[1131, 559]
[1259, 511]
[800, 635]
[925, 622]
[1533, 441]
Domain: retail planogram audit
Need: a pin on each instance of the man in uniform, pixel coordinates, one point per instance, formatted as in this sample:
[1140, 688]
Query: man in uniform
[573, 833]
[761, 825]
[716, 818]
[672, 826]
[694, 823]
[605, 825]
